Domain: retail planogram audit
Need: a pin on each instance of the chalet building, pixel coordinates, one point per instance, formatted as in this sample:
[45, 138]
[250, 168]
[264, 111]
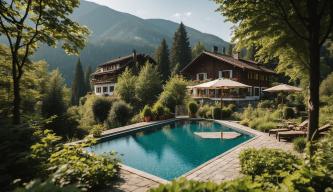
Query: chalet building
[213, 65]
[104, 79]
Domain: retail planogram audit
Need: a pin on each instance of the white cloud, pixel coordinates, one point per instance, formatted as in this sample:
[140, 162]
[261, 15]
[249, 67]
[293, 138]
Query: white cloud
[188, 14]
[182, 15]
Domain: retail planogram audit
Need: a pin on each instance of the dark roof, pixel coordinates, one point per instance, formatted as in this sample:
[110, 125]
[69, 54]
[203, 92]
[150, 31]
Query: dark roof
[241, 63]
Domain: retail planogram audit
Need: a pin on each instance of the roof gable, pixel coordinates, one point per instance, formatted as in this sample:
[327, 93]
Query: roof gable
[240, 63]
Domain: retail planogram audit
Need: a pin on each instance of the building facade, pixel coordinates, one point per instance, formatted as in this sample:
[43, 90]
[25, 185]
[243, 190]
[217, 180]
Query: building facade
[104, 79]
[212, 65]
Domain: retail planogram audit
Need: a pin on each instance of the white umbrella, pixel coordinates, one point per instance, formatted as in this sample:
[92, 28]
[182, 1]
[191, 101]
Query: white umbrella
[283, 88]
[220, 83]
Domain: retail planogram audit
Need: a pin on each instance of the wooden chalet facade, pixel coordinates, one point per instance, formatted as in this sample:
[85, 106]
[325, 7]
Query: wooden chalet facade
[104, 79]
[212, 65]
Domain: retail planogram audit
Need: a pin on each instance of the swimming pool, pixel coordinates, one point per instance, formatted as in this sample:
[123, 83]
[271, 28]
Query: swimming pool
[170, 150]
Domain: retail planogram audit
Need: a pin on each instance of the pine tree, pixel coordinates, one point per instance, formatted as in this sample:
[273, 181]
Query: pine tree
[162, 59]
[230, 50]
[54, 100]
[198, 49]
[87, 79]
[78, 84]
[181, 50]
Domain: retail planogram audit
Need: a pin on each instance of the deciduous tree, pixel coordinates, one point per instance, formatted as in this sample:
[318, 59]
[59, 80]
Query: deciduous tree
[291, 31]
[25, 23]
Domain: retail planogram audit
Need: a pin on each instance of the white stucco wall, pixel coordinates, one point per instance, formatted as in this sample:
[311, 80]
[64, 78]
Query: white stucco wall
[100, 89]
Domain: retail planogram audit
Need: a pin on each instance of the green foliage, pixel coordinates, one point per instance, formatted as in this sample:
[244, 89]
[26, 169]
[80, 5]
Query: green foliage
[148, 85]
[74, 165]
[216, 113]
[192, 109]
[205, 111]
[183, 185]
[181, 50]
[288, 112]
[49, 186]
[326, 86]
[54, 100]
[270, 165]
[101, 108]
[163, 61]
[266, 104]
[147, 112]
[97, 130]
[78, 85]
[299, 144]
[159, 110]
[232, 107]
[120, 114]
[125, 88]
[226, 113]
[174, 92]
[87, 79]
[198, 49]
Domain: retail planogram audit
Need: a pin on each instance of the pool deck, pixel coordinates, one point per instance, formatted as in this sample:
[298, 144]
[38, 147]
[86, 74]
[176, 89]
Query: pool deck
[221, 168]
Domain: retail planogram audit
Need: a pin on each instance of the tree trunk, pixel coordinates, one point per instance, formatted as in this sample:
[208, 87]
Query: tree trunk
[16, 89]
[314, 48]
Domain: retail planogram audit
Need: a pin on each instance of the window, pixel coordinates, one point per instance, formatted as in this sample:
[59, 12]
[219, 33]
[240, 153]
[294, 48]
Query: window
[98, 89]
[201, 76]
[225, 74]
[111, 88]
[256, 91]
[105, 89]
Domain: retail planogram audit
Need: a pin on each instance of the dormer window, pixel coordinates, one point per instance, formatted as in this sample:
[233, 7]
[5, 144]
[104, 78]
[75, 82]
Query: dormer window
[201, 76]
[225, 74]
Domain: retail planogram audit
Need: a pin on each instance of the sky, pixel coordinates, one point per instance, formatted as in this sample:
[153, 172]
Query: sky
[198, 14]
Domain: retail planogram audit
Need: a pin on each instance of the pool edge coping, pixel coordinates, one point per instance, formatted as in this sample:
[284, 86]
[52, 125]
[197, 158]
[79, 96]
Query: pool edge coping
[160, 180]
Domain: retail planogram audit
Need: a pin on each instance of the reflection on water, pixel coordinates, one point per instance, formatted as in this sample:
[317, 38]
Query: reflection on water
[172, 149]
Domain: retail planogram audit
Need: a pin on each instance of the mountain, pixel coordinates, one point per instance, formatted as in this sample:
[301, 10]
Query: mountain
[114, 34]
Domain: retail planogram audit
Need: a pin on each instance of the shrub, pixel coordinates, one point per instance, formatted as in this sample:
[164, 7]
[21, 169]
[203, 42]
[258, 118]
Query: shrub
[74, 165]
[119, 115]
[265, 104]
[299, 144]
[226, 113]
[232, 107]
[174, 92]
[217, 113]
[192, 109]
[288, 112]
[101, 108]
[266, 126]
[147, 112]
[97, 130]
[125, 88]
[158, 110]
[203, 111]
[271, 165]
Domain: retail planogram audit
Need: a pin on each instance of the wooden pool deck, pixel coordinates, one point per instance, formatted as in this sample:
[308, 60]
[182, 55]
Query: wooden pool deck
[223, 167]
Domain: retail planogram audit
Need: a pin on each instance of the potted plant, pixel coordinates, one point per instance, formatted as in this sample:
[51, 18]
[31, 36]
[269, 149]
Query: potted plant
[147, 113]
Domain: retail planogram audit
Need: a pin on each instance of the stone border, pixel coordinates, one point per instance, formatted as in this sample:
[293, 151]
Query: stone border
[143, 174]
[256, 136]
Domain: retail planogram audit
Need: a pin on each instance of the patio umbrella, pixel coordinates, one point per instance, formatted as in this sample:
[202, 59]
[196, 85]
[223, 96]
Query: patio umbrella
[283, 88]
[221, 83]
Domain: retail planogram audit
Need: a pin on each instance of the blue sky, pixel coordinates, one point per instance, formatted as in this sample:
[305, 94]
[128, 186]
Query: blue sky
[199, 14]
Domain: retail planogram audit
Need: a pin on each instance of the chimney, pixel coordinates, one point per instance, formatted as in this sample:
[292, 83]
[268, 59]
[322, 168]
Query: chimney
[134, 55]
[236, 55]
[215, 49]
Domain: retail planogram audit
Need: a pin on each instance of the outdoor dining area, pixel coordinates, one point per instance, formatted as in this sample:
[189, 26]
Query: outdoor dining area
[219, 89]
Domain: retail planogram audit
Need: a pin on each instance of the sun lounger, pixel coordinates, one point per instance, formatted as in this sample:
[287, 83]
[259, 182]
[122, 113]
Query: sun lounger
[294, 134]
[289, 128]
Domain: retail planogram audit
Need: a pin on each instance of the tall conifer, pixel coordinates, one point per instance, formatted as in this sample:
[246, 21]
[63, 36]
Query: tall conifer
[78, 84]
[87, 79]
[163, 61]
[181, 50]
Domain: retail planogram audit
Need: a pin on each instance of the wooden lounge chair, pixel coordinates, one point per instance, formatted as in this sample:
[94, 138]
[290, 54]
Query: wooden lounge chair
[289, 128]
[302, 133]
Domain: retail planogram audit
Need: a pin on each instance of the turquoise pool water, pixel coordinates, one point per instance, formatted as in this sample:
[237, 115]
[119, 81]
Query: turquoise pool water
[169, 150]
